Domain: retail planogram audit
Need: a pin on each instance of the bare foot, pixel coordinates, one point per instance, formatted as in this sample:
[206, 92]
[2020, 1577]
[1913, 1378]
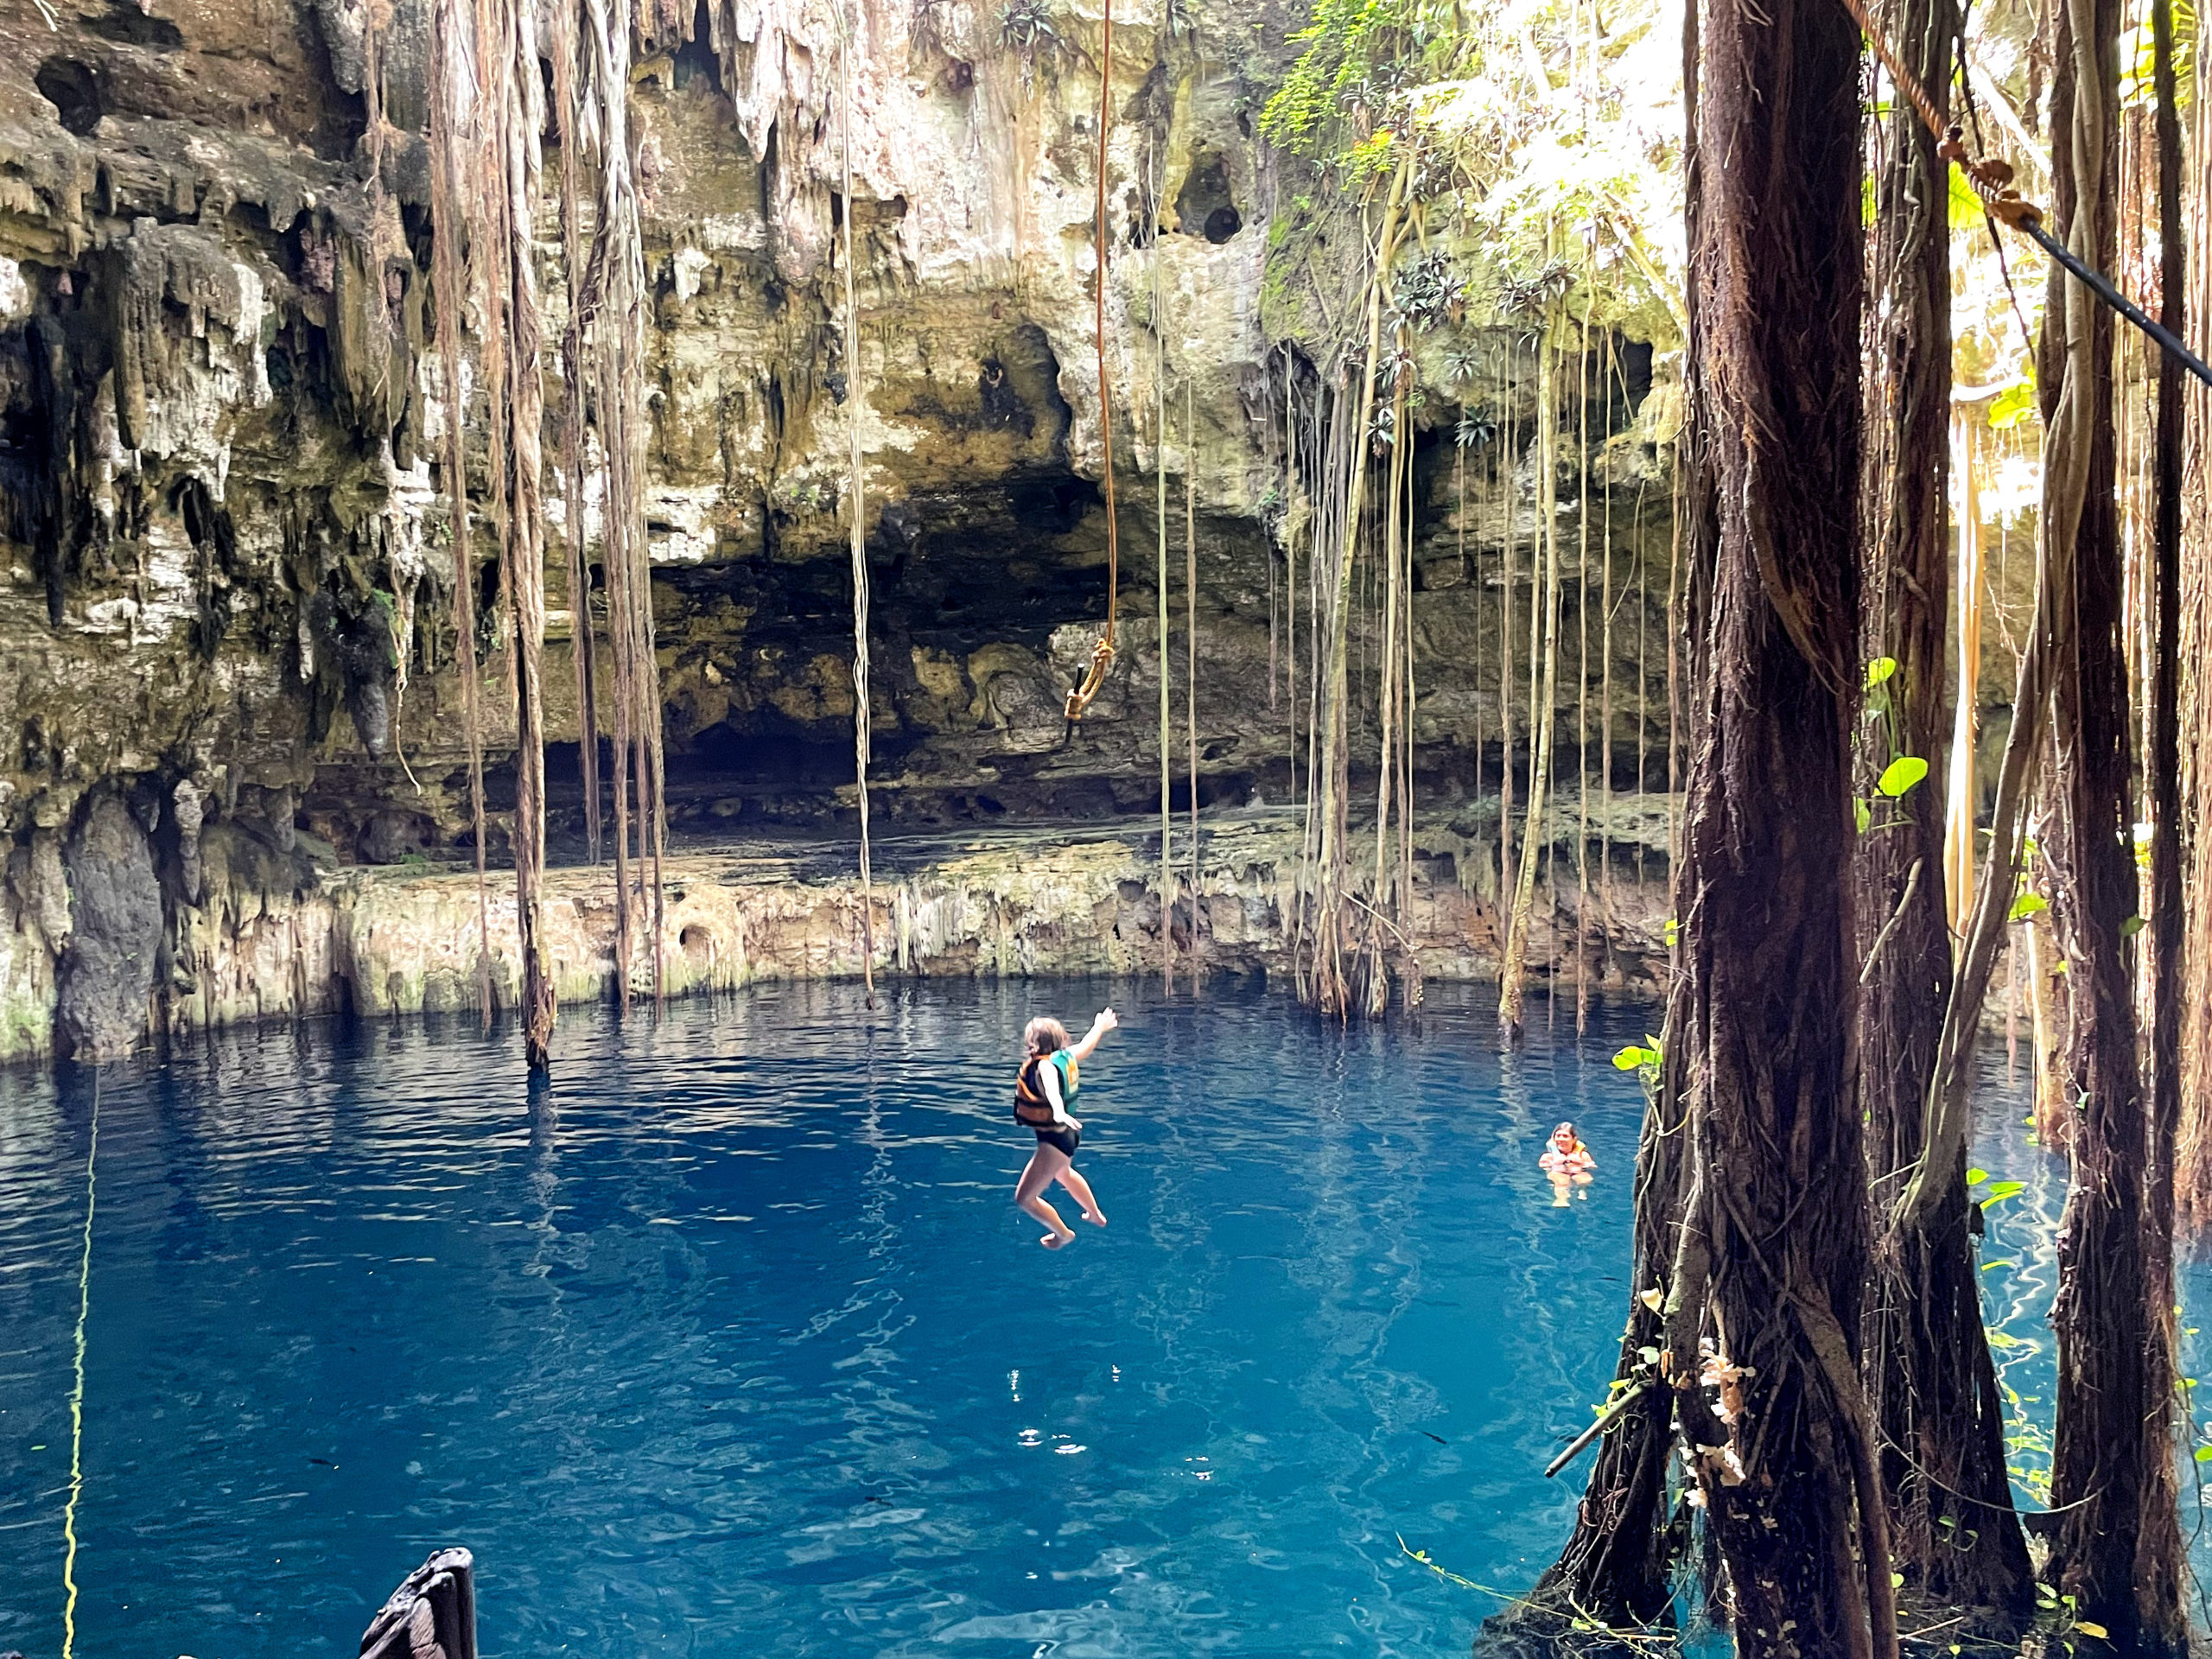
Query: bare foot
[1057, 1240]
[1094, 1218]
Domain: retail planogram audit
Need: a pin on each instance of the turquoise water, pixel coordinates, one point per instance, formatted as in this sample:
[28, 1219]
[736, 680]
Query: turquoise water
[730, 1342]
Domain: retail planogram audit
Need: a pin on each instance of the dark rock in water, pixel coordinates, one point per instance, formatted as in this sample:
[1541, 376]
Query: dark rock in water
[389, 836]
[114, 913]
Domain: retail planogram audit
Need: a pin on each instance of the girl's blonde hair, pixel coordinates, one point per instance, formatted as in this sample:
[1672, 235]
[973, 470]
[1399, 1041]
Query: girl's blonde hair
[1044, 1035]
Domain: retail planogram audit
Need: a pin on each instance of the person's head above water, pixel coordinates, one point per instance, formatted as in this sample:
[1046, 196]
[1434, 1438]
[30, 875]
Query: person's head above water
[1044, 1035]
[1565, 1138]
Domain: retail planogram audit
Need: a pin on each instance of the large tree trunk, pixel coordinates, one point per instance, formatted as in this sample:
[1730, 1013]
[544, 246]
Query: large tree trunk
[2116, 1542]
[1773, 1259]
[1617, 1566]
[2193, 1177]
[1934, 1388]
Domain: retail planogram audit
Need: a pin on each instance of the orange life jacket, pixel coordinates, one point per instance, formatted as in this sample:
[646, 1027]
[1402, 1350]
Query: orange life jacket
[1030, 1105]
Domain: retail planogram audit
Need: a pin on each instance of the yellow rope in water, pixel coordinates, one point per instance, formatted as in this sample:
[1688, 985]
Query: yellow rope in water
[77, 1395]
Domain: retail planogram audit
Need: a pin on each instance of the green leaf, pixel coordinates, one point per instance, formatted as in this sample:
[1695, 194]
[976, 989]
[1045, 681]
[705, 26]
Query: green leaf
[2012, 405]
[2131, 927]
[1629, 1058]
[2001, 1190]
[1879, 670]
[1976, 1177]
[2204, 1454]
[1999, 1339]
[2088, 1629]
[2002, 1261]
[1673, 931]
[1863, 813]
[2027, 905]
[1901, 774]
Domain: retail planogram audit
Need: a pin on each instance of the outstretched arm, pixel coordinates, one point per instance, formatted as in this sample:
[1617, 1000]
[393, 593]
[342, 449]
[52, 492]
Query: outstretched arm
[1104, 1023]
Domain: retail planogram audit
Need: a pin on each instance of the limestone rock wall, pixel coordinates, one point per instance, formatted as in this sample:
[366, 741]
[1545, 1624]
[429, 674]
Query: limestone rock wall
[226, 574]
[1006, 904]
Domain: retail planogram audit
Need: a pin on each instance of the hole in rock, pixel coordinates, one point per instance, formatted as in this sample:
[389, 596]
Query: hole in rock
[1205, 205]
[73, 90]
[697, 944]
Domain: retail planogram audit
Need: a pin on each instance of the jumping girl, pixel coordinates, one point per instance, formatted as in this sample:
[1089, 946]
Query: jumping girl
[1042, 1094]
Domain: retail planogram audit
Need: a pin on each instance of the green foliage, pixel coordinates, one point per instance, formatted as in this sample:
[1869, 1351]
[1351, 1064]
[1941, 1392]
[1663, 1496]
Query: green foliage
[2014, 405]
[1635, 1057]
[1984, 1193]
[1353, 59]
[2137, 58]
[1901, 774]
[2027, 905]
[1645, 1059]
[1026, 26]
[1427, 294]
[1879, 671]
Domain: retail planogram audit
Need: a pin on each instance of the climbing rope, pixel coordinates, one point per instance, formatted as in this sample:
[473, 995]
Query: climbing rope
[1992, 180]
[77, 1395]
[1102, 654]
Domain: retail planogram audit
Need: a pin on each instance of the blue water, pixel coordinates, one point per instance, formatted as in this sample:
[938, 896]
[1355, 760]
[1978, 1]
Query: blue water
[731, 1344]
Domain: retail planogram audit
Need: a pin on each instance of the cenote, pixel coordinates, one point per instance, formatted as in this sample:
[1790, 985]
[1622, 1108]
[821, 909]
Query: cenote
[728, 1341]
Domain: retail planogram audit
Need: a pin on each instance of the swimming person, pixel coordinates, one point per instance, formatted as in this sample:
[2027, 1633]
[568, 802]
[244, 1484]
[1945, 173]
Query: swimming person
[1042, 1094]
[1568, 1162]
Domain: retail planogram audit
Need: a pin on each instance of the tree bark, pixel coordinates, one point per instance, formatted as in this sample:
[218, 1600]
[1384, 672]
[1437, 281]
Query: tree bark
[1771, 1273]
[2116, 1541]
[2194, 830]
[1937, 1405]
[1617, 1564]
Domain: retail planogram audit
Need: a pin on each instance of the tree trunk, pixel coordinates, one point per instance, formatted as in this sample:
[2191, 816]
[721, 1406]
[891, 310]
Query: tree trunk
[2193, 1177]
[1935, 1401]
[1617, 1566]
[1771, 1272]
[2116, 1542]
